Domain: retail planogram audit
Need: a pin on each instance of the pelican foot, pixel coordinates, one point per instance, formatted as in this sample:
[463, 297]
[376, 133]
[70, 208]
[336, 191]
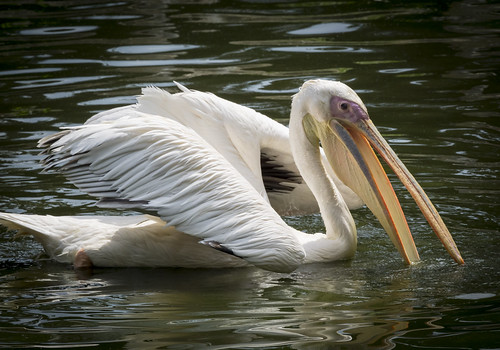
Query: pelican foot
[82, 261]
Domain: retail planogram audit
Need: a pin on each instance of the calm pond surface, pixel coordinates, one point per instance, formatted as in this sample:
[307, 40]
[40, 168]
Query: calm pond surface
[428, 73]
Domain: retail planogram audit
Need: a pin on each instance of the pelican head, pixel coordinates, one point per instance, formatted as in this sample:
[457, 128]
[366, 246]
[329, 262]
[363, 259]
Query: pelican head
[334, 117]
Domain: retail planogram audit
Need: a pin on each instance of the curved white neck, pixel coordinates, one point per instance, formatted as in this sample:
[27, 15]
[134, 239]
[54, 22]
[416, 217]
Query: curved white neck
[337, 218]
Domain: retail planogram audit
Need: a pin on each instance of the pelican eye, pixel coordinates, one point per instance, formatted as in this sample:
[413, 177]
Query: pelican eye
[344, 106]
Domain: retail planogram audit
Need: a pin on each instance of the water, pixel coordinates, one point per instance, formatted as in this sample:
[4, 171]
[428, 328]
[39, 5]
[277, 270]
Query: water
[428, 73]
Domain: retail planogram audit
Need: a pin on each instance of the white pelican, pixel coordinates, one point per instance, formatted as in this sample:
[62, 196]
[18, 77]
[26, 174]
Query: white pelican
[203, 164]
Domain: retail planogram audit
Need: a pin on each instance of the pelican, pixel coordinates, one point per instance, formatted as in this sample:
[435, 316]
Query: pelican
[213, 178]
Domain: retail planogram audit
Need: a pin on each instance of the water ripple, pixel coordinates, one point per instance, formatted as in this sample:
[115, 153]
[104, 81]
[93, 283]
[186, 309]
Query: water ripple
[326, 28]
[38, 83]
[263, 86]
[58, 30]
[29, 71]
[98, 5]
[141, 63]
[116, 100]
[147, 49]
[320, 49]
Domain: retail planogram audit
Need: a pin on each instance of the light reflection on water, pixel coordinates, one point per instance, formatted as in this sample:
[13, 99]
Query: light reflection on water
[248, 307]
[58, 30]
[428, 77]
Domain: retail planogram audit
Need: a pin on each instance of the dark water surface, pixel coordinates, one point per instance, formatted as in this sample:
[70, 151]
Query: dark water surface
[428, 72]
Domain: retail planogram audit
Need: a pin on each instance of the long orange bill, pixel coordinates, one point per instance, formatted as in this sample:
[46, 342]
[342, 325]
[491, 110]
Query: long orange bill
[347, 148]
[368, 129]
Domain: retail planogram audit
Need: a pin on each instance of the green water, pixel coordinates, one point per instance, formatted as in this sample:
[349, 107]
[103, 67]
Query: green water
[428, 73]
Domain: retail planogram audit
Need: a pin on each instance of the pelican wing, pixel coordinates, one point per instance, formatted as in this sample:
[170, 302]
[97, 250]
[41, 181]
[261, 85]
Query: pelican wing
[257, 146]
[155, 163]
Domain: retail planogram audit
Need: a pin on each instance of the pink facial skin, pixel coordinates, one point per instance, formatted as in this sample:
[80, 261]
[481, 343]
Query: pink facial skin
[347, 110]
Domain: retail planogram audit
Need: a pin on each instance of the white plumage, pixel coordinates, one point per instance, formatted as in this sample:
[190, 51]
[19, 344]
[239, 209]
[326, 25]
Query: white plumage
[213, 171]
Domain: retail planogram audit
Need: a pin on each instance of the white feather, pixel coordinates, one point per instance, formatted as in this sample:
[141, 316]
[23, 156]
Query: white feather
[112, 241]
[195, 159]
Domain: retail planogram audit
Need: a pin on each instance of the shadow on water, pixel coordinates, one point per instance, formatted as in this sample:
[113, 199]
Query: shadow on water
[428, 74]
